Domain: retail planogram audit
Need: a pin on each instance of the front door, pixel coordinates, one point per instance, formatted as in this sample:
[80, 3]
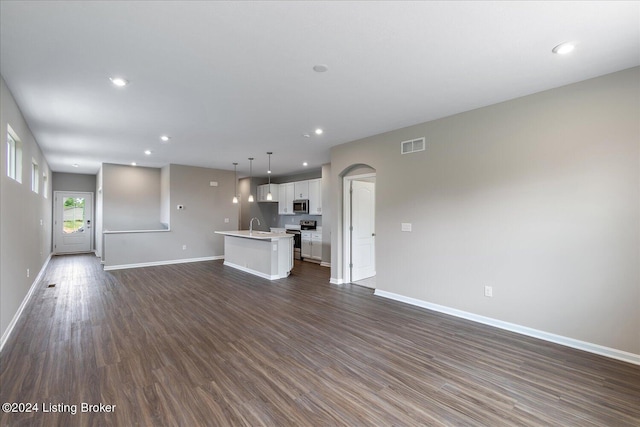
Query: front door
[73, 217]
[363, 252]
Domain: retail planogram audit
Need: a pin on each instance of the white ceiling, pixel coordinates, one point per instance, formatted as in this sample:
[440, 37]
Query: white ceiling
[232, 80]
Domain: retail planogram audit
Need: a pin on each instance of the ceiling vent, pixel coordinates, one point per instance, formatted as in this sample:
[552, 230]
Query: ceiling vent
[412, 146]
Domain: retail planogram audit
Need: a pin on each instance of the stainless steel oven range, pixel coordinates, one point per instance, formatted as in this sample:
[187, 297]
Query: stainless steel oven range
[297, 242]
[305, 224]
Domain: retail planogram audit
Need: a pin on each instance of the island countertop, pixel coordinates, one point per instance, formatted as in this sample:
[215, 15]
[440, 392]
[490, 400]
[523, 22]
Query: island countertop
[258, 235]
[265, 254]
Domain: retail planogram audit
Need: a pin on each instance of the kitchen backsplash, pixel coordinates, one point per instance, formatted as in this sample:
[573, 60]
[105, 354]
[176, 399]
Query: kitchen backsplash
[295, 219]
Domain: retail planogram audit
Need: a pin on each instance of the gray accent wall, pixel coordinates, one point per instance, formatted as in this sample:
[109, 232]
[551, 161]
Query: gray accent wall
[312, 174]
[327, 211]
[205, 209]
[25, 216]
[165, 196]
[74, 182]
[266, 212]
[98, 225]
[537, 197]
[131, 198]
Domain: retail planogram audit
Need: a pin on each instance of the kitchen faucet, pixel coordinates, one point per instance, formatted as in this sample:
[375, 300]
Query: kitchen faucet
[251, 224]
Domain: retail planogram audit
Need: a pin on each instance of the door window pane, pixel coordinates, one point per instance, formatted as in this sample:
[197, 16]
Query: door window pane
[73, 215]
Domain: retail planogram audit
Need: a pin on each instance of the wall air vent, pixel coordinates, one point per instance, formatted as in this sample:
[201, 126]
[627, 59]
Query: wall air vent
[412, 146]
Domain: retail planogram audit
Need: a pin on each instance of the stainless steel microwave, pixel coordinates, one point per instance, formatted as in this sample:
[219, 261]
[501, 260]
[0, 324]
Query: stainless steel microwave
[301, 206]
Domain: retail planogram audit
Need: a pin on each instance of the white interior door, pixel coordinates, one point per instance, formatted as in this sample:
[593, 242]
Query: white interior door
[363, 253]
[73, 218]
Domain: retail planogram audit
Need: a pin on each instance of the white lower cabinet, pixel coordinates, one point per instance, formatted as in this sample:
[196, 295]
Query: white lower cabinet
[311, 245]
[305, 250]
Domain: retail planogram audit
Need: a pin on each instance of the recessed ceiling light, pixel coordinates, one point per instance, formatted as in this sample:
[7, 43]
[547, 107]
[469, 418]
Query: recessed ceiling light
[305, 164]
[75, 165]
[165, 138]
[563, 48]
[119, 81]
[320, 68]
[134, 164]
[318, 131]
[147, 152]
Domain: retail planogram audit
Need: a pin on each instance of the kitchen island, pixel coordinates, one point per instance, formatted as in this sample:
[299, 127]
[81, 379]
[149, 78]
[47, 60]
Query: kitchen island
[265, 254]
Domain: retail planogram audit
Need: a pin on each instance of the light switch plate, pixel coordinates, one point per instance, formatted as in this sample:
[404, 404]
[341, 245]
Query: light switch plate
[406, 226]
[213, 183]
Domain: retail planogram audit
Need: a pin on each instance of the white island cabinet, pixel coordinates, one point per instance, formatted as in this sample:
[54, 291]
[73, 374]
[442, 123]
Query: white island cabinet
[264, 254]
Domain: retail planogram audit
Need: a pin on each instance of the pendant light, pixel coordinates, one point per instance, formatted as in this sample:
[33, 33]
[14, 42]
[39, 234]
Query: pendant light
[235, 181]
[250, 179]
[269, 195]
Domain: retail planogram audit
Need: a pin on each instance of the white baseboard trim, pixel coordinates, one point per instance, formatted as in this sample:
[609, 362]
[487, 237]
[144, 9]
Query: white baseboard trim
[535, 333]
[254, 272]
[325, 264]
[335, 281]
[168, 262]
[33, 287]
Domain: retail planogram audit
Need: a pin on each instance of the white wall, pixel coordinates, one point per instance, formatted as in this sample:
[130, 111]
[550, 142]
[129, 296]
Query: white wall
[25, 217]
[537, 197]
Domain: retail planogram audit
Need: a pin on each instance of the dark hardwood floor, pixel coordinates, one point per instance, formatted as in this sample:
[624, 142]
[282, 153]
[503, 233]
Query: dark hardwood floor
[205, 345]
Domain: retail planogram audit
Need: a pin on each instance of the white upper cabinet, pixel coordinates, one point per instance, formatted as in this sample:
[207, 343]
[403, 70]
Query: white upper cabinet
[315, 196]
[288, 192]
[263, 190]
[285, 198]
[301, 190]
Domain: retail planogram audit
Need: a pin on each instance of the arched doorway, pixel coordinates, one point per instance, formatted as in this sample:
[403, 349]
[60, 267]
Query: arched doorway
[359, 226]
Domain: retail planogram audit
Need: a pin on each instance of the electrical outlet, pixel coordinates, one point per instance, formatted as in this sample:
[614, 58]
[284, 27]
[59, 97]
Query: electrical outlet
[488, 291]
[226, 220]
[27, 272]
[184, 247]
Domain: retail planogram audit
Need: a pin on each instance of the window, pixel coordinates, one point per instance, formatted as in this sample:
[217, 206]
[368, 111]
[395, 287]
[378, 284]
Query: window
[45, 185]
[35, 176]
[14, 155]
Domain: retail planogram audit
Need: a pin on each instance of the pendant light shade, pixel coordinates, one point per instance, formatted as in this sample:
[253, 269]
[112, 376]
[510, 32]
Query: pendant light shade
[250, 179]
[269, 195]
[235, 182]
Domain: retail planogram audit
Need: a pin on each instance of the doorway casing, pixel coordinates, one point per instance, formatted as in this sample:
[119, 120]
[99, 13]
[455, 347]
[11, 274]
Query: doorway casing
[76, 241]
[347, 238]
